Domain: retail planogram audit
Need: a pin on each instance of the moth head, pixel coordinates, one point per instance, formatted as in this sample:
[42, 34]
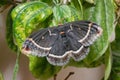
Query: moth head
[100, 30]
[26, 48]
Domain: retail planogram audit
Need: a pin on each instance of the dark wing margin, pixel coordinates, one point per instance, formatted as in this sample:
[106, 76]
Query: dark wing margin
[40, 42]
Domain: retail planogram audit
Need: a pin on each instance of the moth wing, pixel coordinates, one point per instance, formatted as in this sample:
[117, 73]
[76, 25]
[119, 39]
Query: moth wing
[84, 31]
[79, 51]
[80, 54]
[40, 42]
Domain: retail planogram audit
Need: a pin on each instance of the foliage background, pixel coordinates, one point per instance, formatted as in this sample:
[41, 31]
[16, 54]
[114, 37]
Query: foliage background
[101, 12]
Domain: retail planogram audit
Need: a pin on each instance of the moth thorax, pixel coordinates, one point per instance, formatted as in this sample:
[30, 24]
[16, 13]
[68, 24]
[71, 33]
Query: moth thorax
[62, 33]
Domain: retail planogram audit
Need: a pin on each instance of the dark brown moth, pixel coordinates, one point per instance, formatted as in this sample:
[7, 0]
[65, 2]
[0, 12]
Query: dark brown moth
[60, 43]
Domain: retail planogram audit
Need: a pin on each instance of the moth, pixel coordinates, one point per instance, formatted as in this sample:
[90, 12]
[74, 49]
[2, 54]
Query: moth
[60, 43]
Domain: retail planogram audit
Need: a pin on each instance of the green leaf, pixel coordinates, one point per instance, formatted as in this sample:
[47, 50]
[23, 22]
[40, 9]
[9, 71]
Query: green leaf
[60, 17]
[108, 63]
[9, 32]
[59, 13]
[27, 18]
[41, 69]
[90, 1]
[116, 43]
[103, 14]
[115, 46]
[78, 5]
[16, 10]
[16, 67]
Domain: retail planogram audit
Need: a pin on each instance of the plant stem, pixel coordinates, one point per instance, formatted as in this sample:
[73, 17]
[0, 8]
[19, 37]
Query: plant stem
[16, 67]
[71, 73]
